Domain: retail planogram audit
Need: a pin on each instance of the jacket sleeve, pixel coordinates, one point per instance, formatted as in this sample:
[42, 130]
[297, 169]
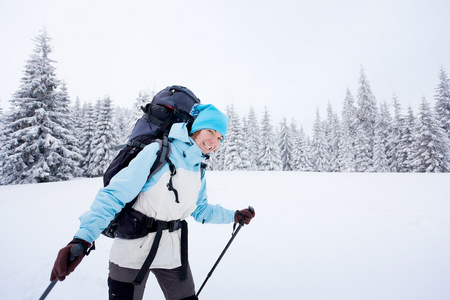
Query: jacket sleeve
[209, 213]
[110, 200]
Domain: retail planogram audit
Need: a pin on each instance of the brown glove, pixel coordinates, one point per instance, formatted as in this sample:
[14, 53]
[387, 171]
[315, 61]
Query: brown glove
[68, 259]
[244, 216]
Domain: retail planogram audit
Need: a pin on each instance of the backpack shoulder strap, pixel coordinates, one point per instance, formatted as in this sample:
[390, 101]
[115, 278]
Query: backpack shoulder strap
[162, 156]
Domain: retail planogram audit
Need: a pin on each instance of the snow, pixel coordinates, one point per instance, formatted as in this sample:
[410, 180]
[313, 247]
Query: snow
[315, 236]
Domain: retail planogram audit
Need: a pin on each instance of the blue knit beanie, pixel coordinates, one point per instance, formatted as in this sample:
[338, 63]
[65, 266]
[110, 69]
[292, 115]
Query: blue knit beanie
[209, 117]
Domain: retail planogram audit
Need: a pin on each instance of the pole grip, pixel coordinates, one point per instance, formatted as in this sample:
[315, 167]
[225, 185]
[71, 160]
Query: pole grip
[75, 251]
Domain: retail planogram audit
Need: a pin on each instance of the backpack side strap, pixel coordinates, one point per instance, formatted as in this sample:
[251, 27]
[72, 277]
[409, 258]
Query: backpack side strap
[162, 156]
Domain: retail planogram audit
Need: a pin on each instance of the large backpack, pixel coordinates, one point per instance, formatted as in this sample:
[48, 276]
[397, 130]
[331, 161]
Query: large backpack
[171, 105]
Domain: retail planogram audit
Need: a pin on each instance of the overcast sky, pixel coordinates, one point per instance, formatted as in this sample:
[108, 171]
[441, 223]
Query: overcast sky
[291, 56]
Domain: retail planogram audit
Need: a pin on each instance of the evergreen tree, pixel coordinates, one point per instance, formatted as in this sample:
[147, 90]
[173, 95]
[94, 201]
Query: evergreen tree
[252, 139]
[365, 115]
[295, 139]
[105, 139]
[269, 152]
[407, 141]
[233, 160]
[2, 141]
[381, 143]
[301, 151]
[442, 105]
[39, 145]
[349, 113]
[124, 121]
[431, 143]
[245, 151]
[70, 138]
[332, 129]
[320, 155]
[78, 116]
[286, 146]
[87, 136]
[347, 152]
[396, 161]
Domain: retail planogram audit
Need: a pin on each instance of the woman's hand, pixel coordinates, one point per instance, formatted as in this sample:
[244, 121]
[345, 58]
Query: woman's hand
[244, 216]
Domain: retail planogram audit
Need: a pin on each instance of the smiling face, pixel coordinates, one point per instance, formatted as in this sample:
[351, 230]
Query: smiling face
[208, 140]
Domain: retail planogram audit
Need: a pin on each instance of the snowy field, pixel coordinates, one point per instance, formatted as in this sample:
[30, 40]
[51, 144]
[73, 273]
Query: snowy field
[315, 236]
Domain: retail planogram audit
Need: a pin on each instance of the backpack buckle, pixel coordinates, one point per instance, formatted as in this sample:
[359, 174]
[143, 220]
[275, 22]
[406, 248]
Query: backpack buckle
[174, 225]
[149, 222]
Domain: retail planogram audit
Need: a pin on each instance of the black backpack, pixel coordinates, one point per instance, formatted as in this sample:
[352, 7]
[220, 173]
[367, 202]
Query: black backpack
[171, 105]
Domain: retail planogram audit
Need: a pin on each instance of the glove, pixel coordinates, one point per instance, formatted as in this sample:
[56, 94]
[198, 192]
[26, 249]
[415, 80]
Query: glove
[244, 216]
[63, 266]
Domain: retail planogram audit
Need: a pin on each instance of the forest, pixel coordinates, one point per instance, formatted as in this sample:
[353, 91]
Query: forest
[46, 137]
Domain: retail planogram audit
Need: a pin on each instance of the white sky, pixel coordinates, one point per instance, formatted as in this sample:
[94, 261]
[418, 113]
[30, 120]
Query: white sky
[291, 56]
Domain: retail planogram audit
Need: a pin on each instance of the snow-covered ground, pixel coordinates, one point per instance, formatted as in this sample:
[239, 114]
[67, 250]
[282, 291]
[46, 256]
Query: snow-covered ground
[315, 236]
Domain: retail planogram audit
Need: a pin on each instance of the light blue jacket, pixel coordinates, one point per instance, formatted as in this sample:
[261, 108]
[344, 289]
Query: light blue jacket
[154, 198]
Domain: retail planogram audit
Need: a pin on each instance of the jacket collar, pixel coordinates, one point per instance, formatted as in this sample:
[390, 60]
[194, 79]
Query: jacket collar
[179, 136]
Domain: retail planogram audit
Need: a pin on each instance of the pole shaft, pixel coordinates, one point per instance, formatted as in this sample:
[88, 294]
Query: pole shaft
[220, 257]
[49, 289]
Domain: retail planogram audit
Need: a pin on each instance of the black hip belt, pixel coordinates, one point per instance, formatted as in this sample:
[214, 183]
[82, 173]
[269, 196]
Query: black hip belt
[135, 225]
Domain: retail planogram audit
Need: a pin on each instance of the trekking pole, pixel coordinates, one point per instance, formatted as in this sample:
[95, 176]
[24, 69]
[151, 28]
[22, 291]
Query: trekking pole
[241, 223]
[75, 251]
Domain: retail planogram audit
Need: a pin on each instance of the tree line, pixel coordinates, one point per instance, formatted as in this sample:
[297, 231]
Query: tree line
[45, 137]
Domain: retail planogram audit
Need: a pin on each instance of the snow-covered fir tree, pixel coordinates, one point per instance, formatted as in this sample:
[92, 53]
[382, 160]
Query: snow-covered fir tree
[70, 138]
[105, 139]
[396, 161]
[407, 141]
[87, 136]
[252, 139]
[124, 121]
[301, 151]
[232, 155]
[349, 112]
[295, 133]
[245, 150]
[78, 116]
[39, 146]
[286, 146]
[269, 152]
[347, 153]
[332, 127]
[381, 142]
[2, 140]
[320, 155]
[366, 114]
[442, 105]
[431, 146]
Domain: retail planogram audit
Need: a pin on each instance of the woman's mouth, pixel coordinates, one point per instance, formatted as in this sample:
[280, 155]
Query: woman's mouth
[207, 147]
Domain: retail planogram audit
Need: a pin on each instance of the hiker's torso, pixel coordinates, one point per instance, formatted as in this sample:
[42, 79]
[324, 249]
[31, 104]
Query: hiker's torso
[157, 201]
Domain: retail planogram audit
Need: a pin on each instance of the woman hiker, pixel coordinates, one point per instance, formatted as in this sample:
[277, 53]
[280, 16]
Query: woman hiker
[156, 202]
